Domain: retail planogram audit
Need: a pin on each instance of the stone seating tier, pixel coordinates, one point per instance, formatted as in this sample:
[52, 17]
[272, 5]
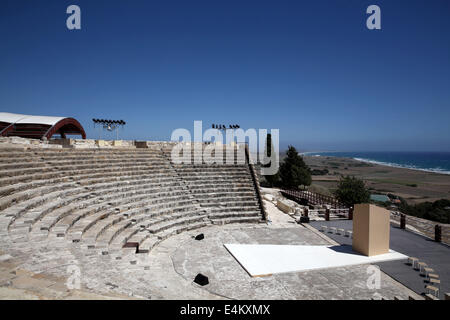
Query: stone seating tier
[88, 203]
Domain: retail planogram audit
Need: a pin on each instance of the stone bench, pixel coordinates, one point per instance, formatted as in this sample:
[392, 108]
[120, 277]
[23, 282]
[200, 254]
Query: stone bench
[68, 174]
[82, 178]
[54, 216]
[235, 208]
[412, 261]
[168, 224]
[107, 229]
[432, 290]
[429, 296]
[82, 225]
[237, 214]
[77, 161]
[72, 195]
[250, 219]
[427, 272]
[214, 201]
[435, 283]
[421, 266]
[76, 167]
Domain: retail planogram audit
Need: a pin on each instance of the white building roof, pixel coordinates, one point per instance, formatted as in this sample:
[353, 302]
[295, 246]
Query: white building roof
[23, 118]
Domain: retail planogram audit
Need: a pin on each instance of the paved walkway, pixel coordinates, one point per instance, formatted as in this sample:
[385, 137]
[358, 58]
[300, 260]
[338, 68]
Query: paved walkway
[436, 255]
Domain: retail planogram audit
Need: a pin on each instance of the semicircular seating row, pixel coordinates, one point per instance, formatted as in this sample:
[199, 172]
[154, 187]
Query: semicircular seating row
[114, 200]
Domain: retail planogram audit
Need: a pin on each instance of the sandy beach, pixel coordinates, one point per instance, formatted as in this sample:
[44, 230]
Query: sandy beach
[413, 185]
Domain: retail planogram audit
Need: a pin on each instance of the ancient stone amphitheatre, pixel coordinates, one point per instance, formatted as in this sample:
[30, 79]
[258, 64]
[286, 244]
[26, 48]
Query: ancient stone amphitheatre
[99, 220]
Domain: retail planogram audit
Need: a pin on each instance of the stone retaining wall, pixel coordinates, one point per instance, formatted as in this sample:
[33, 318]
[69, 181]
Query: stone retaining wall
[426, 227]
[17, 142]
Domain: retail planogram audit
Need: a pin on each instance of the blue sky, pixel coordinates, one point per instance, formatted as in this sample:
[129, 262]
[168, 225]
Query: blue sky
[310, 68]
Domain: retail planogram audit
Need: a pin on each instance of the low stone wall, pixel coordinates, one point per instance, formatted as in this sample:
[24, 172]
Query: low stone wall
[289, 206]
[18, 142]
[423, 226]
[93, 144]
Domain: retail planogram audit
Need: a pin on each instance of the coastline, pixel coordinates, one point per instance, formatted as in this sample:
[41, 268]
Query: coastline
[395, 165]
[414, 185]
[381, 163]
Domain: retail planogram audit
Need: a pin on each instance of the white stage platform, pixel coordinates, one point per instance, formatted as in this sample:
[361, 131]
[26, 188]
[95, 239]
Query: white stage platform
[262, 260]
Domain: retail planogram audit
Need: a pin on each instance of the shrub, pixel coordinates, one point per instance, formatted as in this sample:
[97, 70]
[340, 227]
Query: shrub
[438, 210]
[351, 191]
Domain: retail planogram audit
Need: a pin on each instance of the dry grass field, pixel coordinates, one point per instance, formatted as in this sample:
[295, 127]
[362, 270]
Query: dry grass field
[413, 185]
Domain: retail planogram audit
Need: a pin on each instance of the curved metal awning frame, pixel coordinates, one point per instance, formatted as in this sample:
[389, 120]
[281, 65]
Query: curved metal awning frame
[63, 123]
[72, 125]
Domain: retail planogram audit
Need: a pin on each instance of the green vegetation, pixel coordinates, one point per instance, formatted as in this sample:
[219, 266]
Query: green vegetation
[399, 182]
[360, 164]
[293, 171]
[351, 191]
[334, 164]
[319, 172]
[320, 189]
[272, 180]
[438, 210]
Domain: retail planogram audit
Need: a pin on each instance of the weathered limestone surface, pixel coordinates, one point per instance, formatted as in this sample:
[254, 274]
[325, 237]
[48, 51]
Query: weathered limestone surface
[67, 208]
[228, 279]
[121, 220]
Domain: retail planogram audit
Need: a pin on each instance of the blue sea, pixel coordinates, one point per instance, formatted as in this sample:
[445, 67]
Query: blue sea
[426, 161]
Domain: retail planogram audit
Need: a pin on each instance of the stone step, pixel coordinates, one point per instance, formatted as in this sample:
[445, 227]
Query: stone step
[61, 153]
[73, 194]
[83, 225]
[6, 181]
[78, 167]
[65, 220]
[227, 206]
[250, 214]
[147, 242]
[64, 161]
[160, 227]
[207, 185]
[138, 229]
[137, 217]
[209, 169]
[153, 240]
[236, 220]
[82, 179]
[116, 193]
[225, 198]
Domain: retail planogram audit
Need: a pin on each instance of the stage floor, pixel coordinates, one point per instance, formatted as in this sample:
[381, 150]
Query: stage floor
[265, 259]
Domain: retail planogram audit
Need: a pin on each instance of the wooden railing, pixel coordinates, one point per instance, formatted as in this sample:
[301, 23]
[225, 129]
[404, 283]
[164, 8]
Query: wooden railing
[337, 209]
[313, 198]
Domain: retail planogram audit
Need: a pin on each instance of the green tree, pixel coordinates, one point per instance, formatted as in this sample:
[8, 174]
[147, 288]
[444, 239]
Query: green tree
[351, 191]
[294, 171]
[272, 180]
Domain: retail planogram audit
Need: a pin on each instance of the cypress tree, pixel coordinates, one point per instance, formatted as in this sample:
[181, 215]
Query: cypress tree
[293, 171]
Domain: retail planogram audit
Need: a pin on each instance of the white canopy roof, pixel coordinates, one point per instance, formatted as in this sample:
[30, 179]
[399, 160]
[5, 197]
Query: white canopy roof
[23, 118]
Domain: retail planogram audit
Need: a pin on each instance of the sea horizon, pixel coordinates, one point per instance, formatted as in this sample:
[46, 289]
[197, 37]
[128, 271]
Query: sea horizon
[428, 161]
